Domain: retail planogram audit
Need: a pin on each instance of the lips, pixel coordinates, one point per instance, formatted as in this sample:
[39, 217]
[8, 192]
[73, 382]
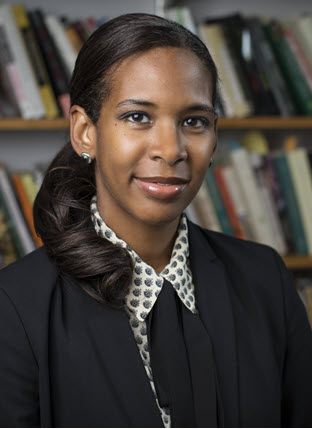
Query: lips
[162, 187]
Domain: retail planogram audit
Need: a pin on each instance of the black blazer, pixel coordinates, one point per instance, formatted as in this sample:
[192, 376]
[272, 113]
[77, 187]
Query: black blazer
[67, 360]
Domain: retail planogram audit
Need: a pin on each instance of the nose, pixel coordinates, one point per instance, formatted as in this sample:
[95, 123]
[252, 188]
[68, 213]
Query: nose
[168, 144]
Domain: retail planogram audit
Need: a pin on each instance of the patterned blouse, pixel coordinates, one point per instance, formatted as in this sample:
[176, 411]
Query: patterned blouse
[146, 285]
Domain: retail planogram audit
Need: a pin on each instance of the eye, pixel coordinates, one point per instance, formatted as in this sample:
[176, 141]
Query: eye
[138, 117]
[196, 122]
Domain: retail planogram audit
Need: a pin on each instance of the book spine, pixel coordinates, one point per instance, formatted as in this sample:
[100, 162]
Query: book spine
[8, 101]
[31, 105]
[8, 250]
[299, 54]
[289, 194]
[257, 217]
[217, 202]
[228, 203]
[301, 175]
[52, 60]
[26, 206]
[237, 198]
[208, 36]
[37, 62]
[205, 210]
[20, 231]
[295, 79]
[269, 64]
[65, 48]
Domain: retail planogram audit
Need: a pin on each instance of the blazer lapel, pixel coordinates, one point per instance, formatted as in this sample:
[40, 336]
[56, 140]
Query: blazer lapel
[116, 361]
[215, 309]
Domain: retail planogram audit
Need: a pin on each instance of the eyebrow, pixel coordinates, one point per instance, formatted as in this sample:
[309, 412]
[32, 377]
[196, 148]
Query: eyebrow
[192, 107]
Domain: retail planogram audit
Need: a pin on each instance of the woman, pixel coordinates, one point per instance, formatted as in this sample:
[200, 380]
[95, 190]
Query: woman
[130, 315]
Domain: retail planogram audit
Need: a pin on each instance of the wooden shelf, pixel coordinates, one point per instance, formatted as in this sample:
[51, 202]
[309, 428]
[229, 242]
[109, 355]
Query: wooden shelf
[263, 122]
[18, 124]
[269, 122]
[298, 262]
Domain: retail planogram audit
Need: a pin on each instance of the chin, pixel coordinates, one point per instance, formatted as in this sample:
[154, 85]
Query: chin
[162, 216]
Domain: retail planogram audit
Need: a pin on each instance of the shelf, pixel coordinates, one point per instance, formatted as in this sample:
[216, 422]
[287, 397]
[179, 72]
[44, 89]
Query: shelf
[298, 262]
[18, 124]
[269, 122]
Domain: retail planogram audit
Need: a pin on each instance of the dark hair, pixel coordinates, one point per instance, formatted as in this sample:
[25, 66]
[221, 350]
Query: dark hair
[62, 207]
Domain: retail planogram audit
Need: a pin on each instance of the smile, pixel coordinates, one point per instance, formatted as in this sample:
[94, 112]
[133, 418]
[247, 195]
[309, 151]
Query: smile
[162, 188]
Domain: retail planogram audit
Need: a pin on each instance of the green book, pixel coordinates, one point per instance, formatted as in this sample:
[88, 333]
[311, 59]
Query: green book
[294, 77]
[218, 203]
[292, 208]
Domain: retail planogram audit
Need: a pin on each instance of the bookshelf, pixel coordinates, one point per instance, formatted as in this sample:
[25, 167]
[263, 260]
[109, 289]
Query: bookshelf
[52, 132]
[278, 123]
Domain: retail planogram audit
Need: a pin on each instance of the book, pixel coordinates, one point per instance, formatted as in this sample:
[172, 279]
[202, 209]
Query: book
[229, 206]
[8, 101]
[257, 216]
[52, 60]
[18, 228]
[18, 67]
[218, 203]
[37, 63]
[66, 50]
[244, 44]
[291, 202]
[233, 99]
[304, 289]
[27, 206]
[269, 66]
[204, 209]
[300, 172]
[237, 196]
[8, 252]
[297, 84]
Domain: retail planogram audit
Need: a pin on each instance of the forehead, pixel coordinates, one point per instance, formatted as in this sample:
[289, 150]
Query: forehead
[171, 75]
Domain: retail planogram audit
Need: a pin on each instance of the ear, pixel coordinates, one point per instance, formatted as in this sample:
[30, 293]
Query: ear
[82, 131]
[216, 134]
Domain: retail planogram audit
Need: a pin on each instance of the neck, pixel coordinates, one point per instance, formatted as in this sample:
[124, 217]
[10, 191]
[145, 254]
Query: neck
[153, 243]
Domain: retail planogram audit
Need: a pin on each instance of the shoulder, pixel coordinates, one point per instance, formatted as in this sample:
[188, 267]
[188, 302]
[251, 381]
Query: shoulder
[234, 250]
[34, 275]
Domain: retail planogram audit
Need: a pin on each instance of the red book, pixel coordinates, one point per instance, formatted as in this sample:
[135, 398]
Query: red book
[228, 203]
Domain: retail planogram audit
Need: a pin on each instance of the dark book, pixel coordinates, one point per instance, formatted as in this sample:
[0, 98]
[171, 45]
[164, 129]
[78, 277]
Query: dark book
[245, 56]
[294, 76]
[268, 63]
[55, 67]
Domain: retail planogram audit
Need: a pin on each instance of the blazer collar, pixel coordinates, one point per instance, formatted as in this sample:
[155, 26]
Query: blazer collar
[212, 291]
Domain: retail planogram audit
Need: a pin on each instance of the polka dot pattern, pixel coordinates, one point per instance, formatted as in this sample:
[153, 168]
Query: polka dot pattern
[146, 285]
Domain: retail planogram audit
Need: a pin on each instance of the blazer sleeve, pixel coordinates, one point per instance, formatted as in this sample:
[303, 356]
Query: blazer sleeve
[297, 371]
[19, 397]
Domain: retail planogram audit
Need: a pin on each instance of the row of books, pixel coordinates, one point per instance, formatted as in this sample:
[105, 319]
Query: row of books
[17, 194]
[265, 65]
[37, 57]
[304, 288]
[256, 194]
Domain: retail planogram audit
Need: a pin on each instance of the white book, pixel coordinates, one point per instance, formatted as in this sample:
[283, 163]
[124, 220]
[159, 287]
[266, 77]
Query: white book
[29, 99]
[191, 213]
[278, 238]
[15, 212]
[232, 92]
[205, 210]
[300, 172]
[62, 43]
[257, 215]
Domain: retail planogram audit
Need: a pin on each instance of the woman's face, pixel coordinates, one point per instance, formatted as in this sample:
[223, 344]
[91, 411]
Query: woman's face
[155, 137]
